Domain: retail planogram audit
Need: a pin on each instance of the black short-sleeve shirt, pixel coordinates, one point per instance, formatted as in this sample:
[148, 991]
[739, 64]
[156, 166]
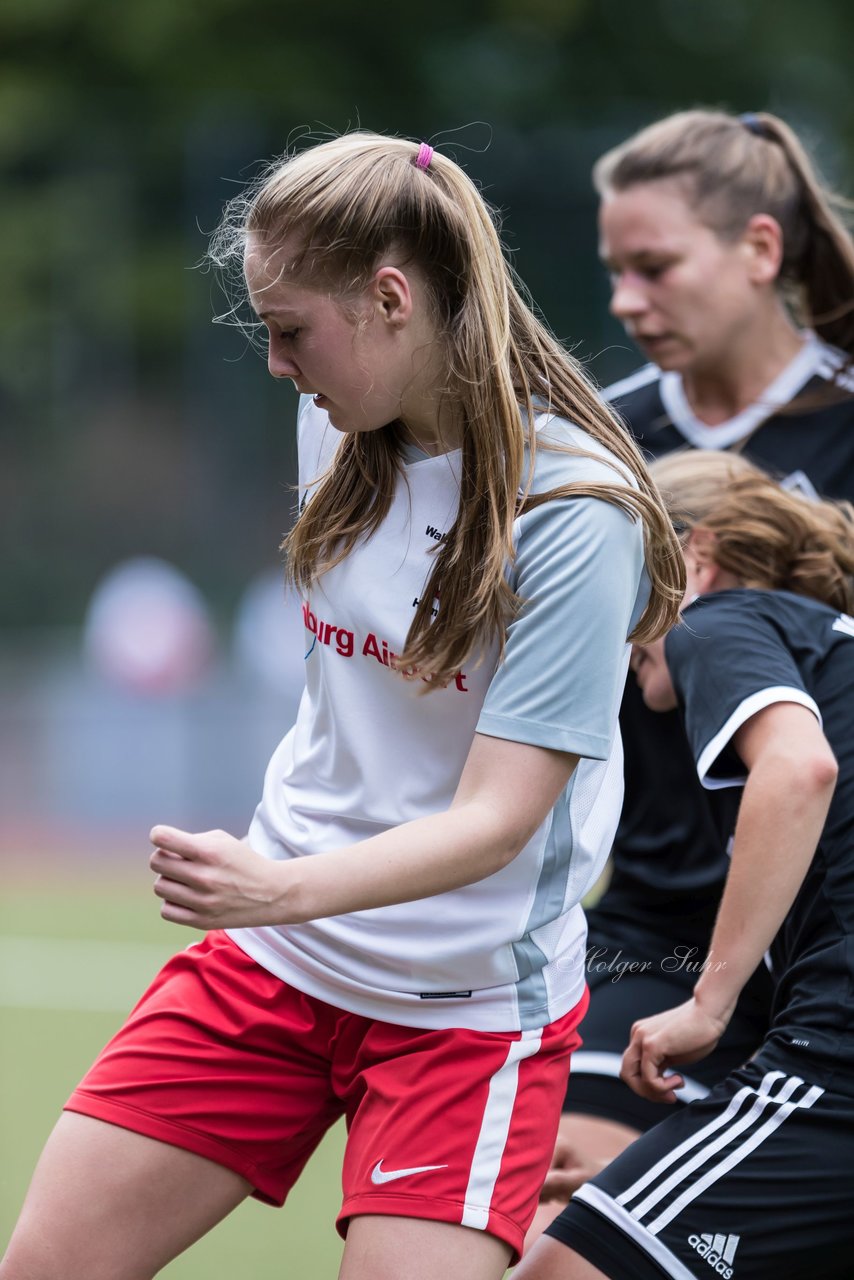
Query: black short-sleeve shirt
[734, 653]
[668, 864]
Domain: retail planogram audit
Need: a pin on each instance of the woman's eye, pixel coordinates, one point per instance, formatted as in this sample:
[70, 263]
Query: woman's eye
[655, 270]
[649, 271]
[289, 334]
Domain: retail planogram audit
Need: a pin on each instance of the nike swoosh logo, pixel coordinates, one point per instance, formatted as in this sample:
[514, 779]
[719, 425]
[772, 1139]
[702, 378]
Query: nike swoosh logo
[380, 1175]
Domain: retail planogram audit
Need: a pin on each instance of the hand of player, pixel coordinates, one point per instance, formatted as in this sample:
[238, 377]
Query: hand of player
[681, 1035]
[214, 881]
[570, 1168]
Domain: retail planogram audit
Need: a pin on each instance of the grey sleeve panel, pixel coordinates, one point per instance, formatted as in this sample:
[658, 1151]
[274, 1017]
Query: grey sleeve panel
[579, 571]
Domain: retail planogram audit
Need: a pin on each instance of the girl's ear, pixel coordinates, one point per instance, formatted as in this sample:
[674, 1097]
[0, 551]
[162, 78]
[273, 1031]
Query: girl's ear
[392, 294]
[763, 242]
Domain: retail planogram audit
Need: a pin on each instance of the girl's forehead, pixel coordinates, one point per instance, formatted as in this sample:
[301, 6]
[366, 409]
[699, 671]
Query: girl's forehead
[657, 206]
[267, 294]
[269, 278]
[267, 264]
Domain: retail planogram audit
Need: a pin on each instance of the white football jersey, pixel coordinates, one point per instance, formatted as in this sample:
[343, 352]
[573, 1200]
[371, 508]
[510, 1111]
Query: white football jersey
[370, 750]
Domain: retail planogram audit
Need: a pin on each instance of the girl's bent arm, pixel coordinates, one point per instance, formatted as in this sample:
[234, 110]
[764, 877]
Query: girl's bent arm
[507, 788]
[791, 778]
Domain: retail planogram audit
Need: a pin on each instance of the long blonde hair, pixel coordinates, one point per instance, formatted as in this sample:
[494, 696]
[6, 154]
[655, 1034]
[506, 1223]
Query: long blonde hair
[733, 167]
[766, 536]
[348, 203]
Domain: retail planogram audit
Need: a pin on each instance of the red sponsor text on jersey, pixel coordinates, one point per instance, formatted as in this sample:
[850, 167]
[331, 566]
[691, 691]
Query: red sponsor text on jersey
[344, 642]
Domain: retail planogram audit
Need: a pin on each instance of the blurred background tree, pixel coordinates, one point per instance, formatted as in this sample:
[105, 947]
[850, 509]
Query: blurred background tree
[130, 423]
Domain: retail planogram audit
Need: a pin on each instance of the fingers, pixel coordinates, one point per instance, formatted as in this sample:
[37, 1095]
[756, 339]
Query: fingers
[680, 1035]
[173, 840]
[211, 880]
[659, 1086]
[182, 915]
[179, 881]
[173, 867]
[643, 1070]
[181, 904]
[181, 893]
[630, 1067]
[182, 856]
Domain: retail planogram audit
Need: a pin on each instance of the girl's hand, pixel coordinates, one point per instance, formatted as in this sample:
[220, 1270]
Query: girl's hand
[681, 1035]
[571, 1166]
[214, 881]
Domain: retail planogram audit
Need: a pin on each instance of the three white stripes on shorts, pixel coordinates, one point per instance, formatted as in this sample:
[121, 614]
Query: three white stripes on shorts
[681, 1176]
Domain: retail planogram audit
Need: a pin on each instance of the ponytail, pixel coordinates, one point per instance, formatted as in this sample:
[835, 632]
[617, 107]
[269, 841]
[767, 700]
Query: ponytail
[818, 250]
[766, 536]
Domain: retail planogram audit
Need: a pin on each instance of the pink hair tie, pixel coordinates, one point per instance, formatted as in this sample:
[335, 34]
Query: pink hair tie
[425, 155]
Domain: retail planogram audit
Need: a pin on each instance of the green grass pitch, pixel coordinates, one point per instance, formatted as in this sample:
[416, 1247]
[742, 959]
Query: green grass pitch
[73, 958]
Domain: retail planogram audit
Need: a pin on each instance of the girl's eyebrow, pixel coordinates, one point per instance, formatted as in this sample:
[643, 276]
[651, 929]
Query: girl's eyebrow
[639, 255]
[274, 312]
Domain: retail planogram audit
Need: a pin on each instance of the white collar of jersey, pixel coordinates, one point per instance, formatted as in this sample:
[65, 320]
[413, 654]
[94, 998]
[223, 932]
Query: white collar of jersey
[812, 358]
[412, 454]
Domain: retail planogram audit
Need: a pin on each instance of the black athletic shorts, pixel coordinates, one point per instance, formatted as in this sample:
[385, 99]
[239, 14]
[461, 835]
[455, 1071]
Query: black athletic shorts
[753, 1182]
[631, 981]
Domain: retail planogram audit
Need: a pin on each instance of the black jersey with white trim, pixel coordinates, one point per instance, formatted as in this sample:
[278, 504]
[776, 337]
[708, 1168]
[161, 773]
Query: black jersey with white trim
[809, 434]
[668, 867]
[737, 652]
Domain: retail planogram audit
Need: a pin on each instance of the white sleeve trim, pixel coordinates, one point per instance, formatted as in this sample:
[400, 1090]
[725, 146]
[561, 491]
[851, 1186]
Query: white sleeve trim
[756, 702]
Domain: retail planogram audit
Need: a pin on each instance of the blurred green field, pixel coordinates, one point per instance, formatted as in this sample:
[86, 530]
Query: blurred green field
[73, 958]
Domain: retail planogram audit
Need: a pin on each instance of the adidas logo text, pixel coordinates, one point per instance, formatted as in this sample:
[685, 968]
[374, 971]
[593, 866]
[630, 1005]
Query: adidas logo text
[718, 1251]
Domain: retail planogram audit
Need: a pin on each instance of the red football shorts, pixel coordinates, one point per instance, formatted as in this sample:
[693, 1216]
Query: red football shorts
[224, 1059]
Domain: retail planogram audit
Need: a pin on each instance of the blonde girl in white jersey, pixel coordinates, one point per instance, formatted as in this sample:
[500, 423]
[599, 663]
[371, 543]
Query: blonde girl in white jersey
[399, 939]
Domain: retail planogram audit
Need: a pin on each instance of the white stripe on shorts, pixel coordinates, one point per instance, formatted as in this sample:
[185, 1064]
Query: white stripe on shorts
[696, 1138]
[735, 1157]
[651, 1245]
[728, 1126]
[646, 1234]
[494, 1128]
